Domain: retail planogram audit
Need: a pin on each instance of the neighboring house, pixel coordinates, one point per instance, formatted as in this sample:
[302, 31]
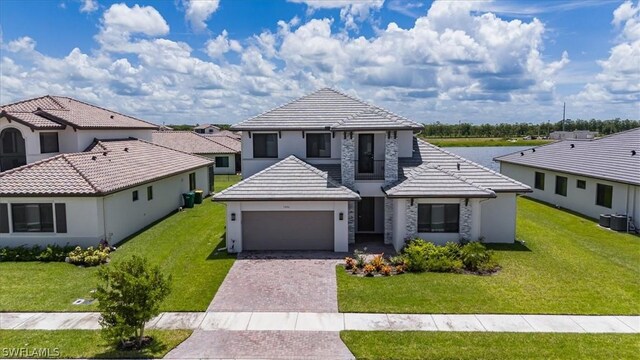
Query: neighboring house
[165, 128]
[111, 191]
[215, 148]
[39, 128]
[231, 140]
[327, 168]
[589, 177]
[573, 135]
[206, 129]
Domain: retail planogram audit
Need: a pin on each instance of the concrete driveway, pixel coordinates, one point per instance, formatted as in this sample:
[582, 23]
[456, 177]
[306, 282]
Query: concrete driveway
[280, 281]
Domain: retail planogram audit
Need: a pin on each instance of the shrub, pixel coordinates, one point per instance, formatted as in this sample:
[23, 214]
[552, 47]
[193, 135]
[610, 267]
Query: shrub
[443, 264]
[129, 294]
[360, 258]
[90, 256]
[35, 253]
[400, 269]
[397, 260]
[415, 255]
[378, 262]
[476, 257]
[385, 270]
[350, 263]
[369, 269]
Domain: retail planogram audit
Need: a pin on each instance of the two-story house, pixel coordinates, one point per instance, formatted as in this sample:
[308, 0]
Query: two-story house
[75, 173]
[43, 127]
[327, 167]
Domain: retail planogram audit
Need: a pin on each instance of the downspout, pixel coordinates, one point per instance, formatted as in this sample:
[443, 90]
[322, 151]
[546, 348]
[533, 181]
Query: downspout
[626, 210]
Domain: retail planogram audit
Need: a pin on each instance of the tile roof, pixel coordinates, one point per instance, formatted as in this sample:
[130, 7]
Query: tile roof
[204, 126]
[191, 142]
[231, 134]
[327, 109]
[58, 111]
[431, 181]
[234, 144]
[289, 179]
[609, 158]
[109, 166]
[431, 167]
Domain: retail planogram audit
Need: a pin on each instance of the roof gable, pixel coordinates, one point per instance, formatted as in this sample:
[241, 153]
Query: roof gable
[289, 179]
[326, 109]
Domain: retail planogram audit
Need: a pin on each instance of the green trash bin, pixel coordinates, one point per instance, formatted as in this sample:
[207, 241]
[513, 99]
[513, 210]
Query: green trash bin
[188, 199]
[198, 196]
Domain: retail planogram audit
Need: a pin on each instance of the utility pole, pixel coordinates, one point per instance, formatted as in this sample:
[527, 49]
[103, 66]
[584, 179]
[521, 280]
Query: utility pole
[564, 112]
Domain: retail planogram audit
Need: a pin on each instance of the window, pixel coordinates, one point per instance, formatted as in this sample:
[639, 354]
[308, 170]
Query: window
[134, 195]
[4, 218]
[318, 145]
[561, 185]
[149, 192]
[211, 179]
[581, 184]
[61, 218]
[222, 161]
[192, 181]
[49, 142]
[539, 183]
[604, 195]
[32, 217]
[265, 145]
[438, 218]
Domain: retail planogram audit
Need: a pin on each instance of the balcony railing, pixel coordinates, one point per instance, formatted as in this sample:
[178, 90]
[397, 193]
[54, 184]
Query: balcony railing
[369, 169]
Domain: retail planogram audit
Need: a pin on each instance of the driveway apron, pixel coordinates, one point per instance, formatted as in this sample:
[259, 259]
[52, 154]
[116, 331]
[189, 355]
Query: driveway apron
[280, 282]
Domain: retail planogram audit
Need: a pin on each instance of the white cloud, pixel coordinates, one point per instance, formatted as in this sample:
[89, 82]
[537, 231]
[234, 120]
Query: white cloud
[219, 46]
[199, 11]
[24, 43]
[619, 78]
[89, 6]
[351, 11]
[135, 20]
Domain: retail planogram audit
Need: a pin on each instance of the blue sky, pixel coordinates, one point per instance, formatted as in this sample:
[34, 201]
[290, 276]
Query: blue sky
[197, 61]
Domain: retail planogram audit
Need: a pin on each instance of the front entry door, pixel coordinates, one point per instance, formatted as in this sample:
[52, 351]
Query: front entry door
[365, 153]
[366, 213]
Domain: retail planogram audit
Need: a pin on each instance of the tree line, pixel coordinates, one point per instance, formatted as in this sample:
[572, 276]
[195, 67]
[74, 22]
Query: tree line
[602, 127]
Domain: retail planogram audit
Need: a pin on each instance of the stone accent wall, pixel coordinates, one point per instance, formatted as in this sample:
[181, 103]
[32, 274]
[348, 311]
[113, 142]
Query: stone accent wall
[390, 159]
[388, 221]
[412, 219]
[347, 164]
[351, 218]
[465, 220]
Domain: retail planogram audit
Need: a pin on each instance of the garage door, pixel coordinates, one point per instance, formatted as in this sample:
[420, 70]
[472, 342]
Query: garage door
[287, 230]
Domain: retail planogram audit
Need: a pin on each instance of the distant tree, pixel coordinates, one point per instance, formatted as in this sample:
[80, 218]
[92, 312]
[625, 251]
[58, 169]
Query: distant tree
[129, 294]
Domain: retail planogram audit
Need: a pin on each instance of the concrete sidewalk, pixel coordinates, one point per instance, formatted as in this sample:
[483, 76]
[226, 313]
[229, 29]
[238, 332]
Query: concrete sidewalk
[333, 322]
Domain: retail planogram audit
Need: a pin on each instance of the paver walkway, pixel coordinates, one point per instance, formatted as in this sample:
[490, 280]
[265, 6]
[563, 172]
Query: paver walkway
[280, 281]
[335, 322]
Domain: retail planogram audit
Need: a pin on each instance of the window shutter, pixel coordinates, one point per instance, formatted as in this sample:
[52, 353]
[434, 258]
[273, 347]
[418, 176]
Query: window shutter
[61, 218]
[4, 218]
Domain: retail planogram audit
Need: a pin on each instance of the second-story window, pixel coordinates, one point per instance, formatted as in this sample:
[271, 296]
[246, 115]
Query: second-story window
[49, 142]
[318, 145]
[265, 145]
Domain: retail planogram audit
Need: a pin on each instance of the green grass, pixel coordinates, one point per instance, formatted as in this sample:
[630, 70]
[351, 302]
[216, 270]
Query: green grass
[568, 266]
[222, 182]
[467, 142]
[183, 244]
[81, 344]
[460, 345]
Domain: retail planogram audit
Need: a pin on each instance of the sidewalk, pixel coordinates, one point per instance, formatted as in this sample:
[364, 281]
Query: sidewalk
[333, 322]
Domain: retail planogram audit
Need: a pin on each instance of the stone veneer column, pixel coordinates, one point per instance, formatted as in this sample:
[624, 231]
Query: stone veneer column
[351, 225]
[390, 176]
[390, 159]
[465, 220]
[347, 162]
[412, 219]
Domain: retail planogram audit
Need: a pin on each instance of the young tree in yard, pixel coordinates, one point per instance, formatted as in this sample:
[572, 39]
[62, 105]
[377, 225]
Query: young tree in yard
[129, 294]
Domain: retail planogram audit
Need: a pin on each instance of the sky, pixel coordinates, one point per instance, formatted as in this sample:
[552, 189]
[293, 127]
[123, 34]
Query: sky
[223, 61]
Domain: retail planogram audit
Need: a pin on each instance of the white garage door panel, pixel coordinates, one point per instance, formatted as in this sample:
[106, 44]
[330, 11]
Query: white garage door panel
[287, 230]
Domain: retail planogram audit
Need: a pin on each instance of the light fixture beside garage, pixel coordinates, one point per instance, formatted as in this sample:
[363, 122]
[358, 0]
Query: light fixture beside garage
[233, 216]
[341, 216]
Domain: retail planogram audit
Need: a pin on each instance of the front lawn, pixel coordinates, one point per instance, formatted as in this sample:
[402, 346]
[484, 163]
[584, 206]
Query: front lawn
[184, 245]
[568, 265]
[81, 344]
[460, 345]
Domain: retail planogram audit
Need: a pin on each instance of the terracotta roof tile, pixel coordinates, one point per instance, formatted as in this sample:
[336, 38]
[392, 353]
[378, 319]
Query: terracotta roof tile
[192, 143]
